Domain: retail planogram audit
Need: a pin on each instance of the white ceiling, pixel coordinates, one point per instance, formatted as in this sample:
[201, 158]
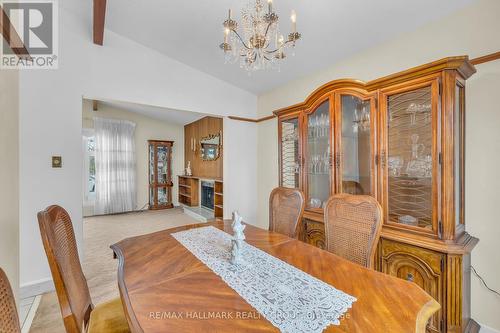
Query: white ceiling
[190, 31]
[169, 115]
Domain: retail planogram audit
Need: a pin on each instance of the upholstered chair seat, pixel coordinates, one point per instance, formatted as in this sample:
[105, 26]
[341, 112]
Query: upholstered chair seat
[108, 317]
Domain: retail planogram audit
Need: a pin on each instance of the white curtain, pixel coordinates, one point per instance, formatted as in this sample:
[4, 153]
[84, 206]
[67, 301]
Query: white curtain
[115, 179]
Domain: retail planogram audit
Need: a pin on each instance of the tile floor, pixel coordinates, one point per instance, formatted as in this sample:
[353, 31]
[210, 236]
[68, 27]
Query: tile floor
[27, 310]
[200, 213]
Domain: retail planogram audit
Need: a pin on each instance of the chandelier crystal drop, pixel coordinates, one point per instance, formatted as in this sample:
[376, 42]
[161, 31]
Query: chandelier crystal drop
[258, 44]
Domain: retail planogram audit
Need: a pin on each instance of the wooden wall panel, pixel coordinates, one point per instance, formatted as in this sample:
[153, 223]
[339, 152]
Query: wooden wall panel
[193, 133]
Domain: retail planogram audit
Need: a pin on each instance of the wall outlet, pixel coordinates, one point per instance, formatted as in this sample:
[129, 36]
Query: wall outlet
[56, 161]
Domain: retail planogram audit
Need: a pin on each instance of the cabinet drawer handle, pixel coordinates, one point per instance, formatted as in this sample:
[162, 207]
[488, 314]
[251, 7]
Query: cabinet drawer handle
[409, 277]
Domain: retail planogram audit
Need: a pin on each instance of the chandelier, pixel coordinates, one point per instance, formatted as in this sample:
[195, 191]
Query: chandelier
[259, 44]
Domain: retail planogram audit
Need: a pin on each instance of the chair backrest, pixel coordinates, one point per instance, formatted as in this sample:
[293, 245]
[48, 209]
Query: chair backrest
[9, 320]
[286, 207]
[352, 227]
[71, 286]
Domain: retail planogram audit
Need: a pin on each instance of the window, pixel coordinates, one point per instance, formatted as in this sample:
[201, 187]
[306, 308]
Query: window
[89, 167]
[91, 161]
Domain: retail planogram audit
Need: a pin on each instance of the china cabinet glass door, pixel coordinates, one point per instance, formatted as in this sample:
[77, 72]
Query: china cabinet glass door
[355, 126]
[160, 177]
[290, 154]
[411, 158]
[152, 174]
[163, 180]
[318, 156]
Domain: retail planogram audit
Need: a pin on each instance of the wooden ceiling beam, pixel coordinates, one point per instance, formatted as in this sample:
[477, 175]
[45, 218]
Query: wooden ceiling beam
[99, 20]
[11, 36]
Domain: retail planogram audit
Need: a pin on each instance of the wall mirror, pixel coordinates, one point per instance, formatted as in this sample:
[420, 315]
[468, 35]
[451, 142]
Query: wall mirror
[210, 147]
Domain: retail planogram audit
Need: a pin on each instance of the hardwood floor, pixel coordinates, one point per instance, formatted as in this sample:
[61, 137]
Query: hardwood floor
[98, 264]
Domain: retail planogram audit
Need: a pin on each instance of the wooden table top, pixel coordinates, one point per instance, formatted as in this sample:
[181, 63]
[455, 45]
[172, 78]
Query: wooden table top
[165, 288]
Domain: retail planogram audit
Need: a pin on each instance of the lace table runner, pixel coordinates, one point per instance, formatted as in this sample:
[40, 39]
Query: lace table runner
[289, 298]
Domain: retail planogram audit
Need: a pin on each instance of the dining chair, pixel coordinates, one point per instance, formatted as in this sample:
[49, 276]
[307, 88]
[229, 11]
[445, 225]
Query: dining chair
[9, 320]
[352, 226]
[78, 312]
[286, 207]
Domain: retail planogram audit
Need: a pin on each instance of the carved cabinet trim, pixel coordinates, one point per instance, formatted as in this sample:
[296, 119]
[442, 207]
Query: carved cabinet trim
[313, 233]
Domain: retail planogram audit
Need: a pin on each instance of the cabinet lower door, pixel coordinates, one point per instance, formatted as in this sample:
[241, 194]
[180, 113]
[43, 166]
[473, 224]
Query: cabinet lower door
[313, 233]
[160, 197]
[418, 265]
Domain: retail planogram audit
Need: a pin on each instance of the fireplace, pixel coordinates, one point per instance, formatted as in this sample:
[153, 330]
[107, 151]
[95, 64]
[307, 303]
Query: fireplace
[207, 194]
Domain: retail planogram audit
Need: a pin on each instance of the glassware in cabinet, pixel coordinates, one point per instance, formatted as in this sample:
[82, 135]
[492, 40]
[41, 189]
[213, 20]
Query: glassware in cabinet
[355, 144]
[318, 156]
[290, 158]
[411, 148]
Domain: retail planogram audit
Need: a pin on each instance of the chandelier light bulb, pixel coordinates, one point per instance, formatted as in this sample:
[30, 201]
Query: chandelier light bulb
[270, 6]
[281, 40]
[293, 17]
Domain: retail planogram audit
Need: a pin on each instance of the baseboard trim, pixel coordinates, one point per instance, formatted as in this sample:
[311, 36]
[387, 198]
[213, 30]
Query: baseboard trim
[36, 288]
[486, 329]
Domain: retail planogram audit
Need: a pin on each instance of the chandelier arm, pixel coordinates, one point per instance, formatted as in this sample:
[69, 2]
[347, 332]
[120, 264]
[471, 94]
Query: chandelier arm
[267, 29]
[241, 39]
[276, 50]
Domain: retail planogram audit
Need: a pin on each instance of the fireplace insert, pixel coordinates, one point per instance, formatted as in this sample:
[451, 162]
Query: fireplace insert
[207, 194]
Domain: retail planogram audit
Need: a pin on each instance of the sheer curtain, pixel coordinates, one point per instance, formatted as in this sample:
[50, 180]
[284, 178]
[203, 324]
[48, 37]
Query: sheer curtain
[115, 179]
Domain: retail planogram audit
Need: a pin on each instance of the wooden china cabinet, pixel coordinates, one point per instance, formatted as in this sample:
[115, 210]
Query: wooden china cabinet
[160, 174]
[401, 139]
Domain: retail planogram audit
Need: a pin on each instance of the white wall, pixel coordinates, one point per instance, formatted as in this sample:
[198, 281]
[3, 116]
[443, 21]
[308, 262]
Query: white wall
[481, 187]
[472, 31]
[9, 176]
[240, 163]
[146, 128]
[51, 122]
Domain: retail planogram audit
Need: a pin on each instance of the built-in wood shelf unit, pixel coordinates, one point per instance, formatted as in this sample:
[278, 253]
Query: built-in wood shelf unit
[188, 191]
[218, 199]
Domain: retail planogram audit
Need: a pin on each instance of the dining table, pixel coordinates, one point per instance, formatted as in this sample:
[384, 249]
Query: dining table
[165, 288]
